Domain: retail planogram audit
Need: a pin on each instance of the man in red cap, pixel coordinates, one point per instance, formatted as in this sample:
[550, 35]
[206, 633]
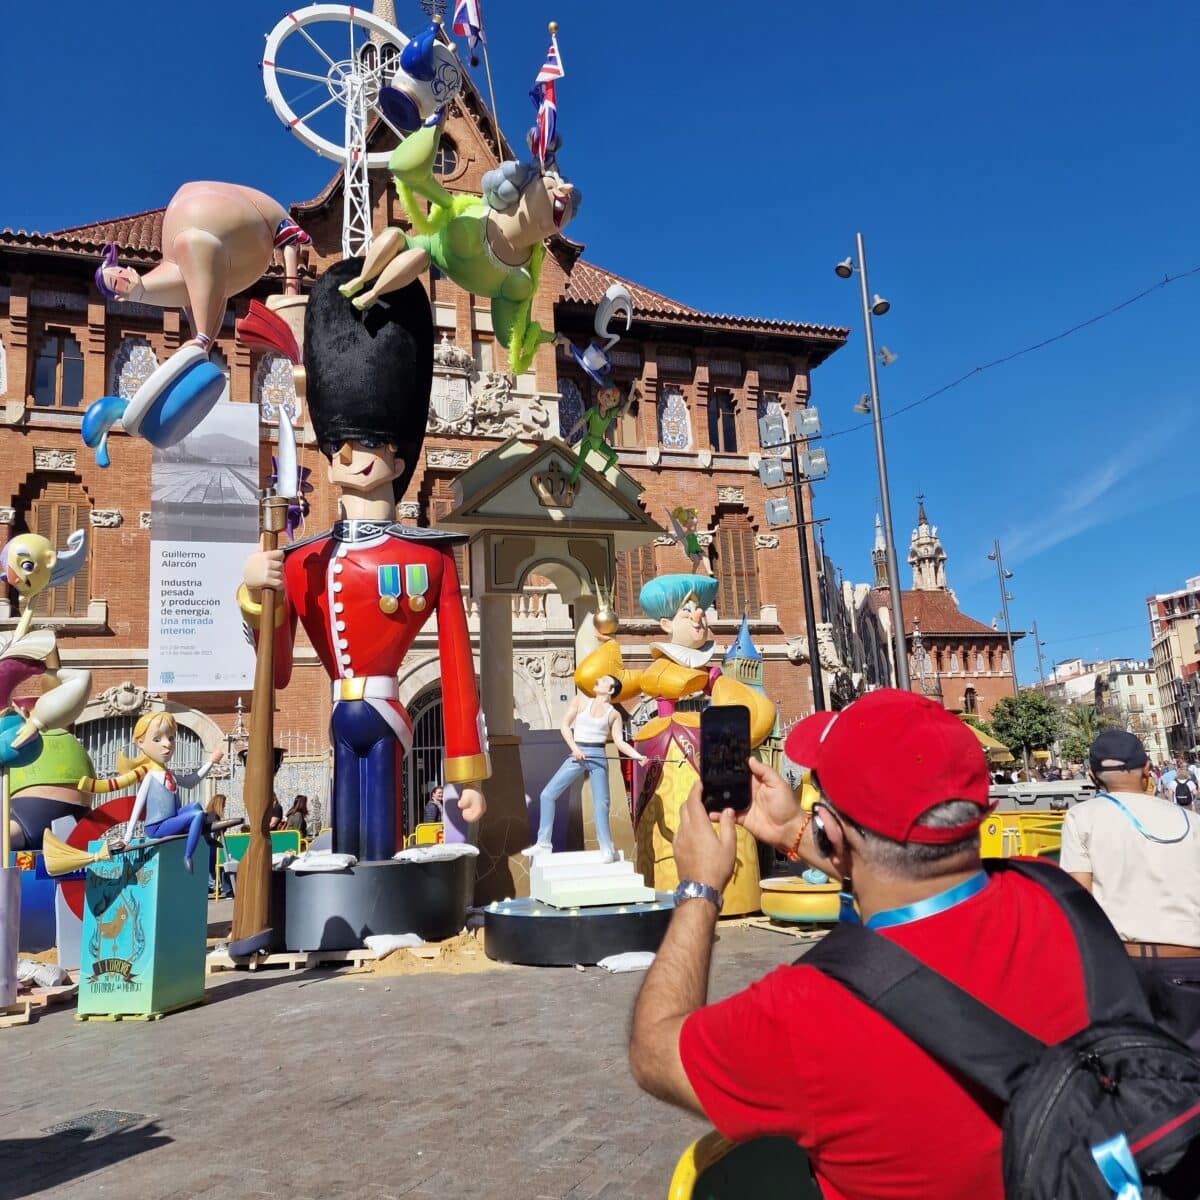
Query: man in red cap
[903, 788]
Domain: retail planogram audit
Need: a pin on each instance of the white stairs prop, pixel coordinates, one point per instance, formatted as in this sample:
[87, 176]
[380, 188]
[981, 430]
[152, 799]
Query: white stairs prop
[581, 878]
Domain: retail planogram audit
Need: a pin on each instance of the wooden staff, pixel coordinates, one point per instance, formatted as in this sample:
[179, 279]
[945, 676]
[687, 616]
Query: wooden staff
[252, 904]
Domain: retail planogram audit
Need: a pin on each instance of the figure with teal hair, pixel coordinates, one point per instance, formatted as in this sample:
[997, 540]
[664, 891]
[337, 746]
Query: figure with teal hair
[491, 245]
[684, 666]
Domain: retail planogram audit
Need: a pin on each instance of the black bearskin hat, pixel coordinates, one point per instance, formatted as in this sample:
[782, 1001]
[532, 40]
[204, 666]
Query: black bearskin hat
[368, 374]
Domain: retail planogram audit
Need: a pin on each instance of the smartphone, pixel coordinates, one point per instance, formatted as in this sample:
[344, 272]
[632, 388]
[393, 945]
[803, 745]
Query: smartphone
[724, 751]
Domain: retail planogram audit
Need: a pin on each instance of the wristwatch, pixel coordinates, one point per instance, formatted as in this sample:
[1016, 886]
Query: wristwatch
[689, 889]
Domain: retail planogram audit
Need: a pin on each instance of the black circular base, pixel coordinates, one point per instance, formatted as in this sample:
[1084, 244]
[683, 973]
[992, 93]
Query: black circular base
[335, 910]
[538, 935]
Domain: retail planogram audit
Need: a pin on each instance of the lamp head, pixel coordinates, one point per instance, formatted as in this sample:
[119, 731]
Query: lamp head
[864, 404]
[1007, 573]
[879, 305]
[886, 356]
[844, 269]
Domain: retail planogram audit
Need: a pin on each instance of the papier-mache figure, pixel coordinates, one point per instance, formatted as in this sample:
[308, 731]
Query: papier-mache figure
[686, 531]
[31, 565]
[588, 725]
[157, 803]
[365, 589]
[217, 239]
[683, 667]
[491, 245]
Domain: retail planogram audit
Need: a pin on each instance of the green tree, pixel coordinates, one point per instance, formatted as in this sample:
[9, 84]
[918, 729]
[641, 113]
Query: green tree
[979, 723]
[1081, 724]
[1025, 722]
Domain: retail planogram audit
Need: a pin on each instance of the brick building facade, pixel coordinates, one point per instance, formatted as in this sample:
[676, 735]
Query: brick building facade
[697, 383]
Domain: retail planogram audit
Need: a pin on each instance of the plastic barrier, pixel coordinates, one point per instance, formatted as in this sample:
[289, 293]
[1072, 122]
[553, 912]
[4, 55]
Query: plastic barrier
[772, 1168]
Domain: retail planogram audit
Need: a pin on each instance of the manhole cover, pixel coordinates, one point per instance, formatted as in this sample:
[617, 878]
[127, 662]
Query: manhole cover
[98, 1122]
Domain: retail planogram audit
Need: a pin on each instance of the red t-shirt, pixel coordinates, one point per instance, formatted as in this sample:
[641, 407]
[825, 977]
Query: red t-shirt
[797, 1055]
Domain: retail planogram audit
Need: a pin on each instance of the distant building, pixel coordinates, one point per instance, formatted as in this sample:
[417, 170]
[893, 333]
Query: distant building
[1128, 692]
[1175, 650]
[952, 658]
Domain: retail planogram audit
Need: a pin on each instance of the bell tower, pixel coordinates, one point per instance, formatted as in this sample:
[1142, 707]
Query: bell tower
[925, 555]
[879, 556]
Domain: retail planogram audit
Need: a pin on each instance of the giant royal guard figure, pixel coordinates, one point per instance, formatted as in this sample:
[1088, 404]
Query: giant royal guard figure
[364, 590]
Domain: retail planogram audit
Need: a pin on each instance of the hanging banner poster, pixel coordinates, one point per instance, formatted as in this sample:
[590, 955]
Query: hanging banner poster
[203, 524]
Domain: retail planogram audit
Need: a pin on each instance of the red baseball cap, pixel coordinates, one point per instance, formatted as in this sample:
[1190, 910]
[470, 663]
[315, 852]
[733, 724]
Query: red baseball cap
[888, 758]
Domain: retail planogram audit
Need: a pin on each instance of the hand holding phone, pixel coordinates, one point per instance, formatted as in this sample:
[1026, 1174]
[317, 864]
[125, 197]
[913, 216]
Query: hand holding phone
[724, 755]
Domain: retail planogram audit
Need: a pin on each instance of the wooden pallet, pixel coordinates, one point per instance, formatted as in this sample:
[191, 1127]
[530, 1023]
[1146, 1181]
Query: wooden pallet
[20, 1013]
[152, 1016]
[801, 932]
[220, 960]
[43, 998]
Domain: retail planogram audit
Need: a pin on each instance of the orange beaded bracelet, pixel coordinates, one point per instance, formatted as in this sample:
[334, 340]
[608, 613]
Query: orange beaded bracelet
[792, 853]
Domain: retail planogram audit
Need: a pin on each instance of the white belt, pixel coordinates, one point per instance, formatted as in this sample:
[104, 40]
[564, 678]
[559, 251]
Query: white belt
[366, 687]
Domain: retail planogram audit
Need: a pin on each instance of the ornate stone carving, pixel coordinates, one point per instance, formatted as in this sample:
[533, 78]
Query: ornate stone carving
[766, 541]
[447, 459]
[48, 459]
[408, 510]
[534, 665]
[705, 539]
[797, 648]
[553, 487]
[664, 540]
[106, 518]
[705, 458]
[7, 516]
[126, 700]
[731, 495]
[562, 664]
[450, 396]
[496, 411]
[144, 520]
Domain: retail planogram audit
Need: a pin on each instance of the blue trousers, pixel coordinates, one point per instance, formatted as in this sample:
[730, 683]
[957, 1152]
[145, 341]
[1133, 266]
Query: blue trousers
[366, 781]
[189, 820]
[595, 766]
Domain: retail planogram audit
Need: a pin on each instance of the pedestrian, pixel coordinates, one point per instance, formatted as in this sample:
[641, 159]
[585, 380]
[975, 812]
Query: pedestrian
[903, 789]
[297, 815]
[275, 818]
[436, 804]
[1184, 790]
[1139, 855]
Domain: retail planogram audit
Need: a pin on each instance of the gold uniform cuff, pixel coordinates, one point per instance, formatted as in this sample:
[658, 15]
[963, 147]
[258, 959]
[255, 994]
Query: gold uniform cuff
[253, 611]
[467, 768]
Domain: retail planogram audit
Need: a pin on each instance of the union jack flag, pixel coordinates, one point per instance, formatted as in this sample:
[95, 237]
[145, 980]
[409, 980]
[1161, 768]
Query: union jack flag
[544, 102]
[468, 22]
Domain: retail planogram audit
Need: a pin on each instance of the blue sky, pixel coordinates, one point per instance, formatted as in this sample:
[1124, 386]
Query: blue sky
[1016, 168]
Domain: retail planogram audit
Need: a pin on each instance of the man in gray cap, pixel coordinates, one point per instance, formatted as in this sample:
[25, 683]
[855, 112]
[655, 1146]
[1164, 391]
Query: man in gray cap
[1139, 855]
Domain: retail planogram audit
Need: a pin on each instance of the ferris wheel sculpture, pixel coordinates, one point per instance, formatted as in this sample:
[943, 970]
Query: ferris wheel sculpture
[328, 68]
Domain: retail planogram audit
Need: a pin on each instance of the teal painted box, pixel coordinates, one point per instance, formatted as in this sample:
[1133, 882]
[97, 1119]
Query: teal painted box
[145, 925]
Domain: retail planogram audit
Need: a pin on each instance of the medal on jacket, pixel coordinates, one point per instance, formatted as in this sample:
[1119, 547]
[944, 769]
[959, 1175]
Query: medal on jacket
[389, 588]
[416, 584]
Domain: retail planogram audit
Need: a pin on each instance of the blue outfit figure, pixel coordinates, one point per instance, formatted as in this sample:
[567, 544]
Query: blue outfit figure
[157, 800]
[586, 727]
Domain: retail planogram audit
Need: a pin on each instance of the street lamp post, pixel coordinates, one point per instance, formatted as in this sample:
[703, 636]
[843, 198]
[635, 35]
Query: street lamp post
[879, 306]
[810, 615]
[1003, 576]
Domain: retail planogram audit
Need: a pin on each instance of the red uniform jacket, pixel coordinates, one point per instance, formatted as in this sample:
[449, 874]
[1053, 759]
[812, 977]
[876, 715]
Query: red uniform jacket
[363, 592]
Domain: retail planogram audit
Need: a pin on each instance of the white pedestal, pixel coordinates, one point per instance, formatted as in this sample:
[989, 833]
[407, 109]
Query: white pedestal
[578, 879]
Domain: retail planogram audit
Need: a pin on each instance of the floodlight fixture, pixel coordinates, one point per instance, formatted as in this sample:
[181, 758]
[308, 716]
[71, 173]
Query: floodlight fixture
[779, 512]
[770, 472]
[844, 269]
[808, 423]
[886, 356]
[879, 305]
[863, 407]
[772, 430]
[814, 464]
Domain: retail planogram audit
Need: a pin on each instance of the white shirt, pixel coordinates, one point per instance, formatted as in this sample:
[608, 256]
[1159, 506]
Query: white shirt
[1149, 890]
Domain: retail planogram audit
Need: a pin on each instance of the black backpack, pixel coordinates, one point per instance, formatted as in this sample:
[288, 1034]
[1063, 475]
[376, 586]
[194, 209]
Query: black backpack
[1183, 793]
[1119, 1098]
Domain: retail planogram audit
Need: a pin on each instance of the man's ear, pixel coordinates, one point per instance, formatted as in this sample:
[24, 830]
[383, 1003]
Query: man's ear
[665, 624]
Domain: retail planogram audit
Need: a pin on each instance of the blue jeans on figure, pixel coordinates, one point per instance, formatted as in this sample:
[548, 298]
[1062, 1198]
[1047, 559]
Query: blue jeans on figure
[595, 766]
[189, 820]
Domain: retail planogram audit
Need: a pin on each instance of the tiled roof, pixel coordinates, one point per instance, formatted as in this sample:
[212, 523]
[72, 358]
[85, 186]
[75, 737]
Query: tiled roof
[938, 613]
[136, 236]
[587, 283]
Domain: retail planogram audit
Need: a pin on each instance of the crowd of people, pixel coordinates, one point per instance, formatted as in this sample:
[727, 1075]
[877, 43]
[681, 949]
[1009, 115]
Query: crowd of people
[799, 1055]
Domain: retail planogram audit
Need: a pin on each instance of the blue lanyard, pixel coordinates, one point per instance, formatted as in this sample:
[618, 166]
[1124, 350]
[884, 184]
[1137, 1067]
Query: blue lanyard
[931, 905]
[1187, 825]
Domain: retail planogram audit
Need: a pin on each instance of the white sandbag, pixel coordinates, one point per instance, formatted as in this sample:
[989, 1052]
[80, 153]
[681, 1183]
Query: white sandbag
[385, 943]
[442, 852]
[631, 960]
[282, 859]
[41, 974]
[322, 860]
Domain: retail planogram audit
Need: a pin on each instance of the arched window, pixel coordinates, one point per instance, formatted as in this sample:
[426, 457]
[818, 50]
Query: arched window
[58, 509]
[625, 430]
[273, 381]
[736, 567]
[424, 765]
[954, 661]
[132, 365]
[674, 425]
[722, 422]
[1005, 668]
[58, 371]
[970, 702]
[635, 568]
[445, 162]
[979, 662]
[570, 411]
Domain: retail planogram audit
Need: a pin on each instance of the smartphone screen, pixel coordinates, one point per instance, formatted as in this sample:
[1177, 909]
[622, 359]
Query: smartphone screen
[724, 749]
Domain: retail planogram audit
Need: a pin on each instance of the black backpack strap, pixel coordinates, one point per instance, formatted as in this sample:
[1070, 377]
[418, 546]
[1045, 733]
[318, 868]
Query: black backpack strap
[1113, 991]
[949, 1024]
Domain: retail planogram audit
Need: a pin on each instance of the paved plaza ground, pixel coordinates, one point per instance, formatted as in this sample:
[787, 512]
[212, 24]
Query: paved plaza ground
[510, 1084]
